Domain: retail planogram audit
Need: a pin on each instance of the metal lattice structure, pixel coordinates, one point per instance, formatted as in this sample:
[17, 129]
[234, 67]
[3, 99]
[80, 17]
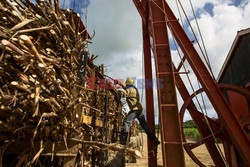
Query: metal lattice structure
[157, 18]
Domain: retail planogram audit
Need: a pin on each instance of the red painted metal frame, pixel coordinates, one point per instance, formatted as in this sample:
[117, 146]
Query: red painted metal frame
[231, 124]
[143, 8]
[152, 156]
[227, 143]
[169, 119]
[184, 93]
[199, 122]
[172, 146]
[152, 152]
[212, 90]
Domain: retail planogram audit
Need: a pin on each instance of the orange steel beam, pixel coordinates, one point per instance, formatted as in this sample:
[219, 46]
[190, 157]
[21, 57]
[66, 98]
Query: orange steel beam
[200, 124]
[217, 159]
[202, 73]
[152, 152]
[237, 134]
[173, 154]
[172, 146]
[143, 8]
[152, 156]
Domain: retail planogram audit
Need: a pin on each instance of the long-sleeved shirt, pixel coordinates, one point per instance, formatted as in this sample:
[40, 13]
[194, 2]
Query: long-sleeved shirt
[132, 97]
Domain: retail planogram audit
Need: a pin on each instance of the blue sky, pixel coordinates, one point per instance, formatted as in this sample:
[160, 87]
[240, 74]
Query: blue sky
[76, 5]
[118, 36]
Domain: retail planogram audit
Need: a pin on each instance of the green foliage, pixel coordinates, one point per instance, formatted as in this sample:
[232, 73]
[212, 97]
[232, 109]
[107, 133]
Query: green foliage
[190, 130]
[157, 129]
[189, 124]
[192, 133]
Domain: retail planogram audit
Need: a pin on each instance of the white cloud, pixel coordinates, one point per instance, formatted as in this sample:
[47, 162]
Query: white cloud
[117, 25]
[118, 39]
[220, 30]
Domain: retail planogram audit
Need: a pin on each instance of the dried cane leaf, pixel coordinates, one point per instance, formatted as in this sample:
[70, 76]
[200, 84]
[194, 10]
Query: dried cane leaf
[20, 25]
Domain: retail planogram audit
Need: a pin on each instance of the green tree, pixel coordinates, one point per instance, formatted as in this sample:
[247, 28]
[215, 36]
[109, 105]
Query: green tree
[189, 124]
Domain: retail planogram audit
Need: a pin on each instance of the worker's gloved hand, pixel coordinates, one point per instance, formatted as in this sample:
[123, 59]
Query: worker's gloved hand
[123, 86]
[117, 82]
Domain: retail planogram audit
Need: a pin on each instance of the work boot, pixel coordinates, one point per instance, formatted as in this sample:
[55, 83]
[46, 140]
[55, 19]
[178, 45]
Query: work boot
[123, 138]
[156, 142]
[154, 139]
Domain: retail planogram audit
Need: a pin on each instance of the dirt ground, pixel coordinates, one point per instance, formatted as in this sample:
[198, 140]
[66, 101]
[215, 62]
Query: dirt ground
[201, 152]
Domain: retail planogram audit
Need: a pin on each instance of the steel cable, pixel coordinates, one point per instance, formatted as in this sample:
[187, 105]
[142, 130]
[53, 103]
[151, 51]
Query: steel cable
[203, 55]
[210, 129]
[198, 102]
[202, 41]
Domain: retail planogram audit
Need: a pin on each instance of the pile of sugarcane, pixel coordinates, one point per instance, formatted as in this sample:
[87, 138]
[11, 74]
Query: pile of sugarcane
[40, 49]
[41, 98]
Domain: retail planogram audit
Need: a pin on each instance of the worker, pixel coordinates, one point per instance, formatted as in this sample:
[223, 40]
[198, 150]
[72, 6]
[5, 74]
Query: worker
[131, 94]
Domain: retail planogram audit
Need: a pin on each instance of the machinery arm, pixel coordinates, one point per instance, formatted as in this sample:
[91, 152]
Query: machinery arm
[160, 17]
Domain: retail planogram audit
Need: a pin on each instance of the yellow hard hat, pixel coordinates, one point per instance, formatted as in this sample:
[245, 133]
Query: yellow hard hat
[129, 81]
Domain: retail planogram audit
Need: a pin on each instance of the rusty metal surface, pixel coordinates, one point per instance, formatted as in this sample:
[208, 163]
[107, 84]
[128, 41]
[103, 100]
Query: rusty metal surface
[143, 9]
[225, 114]
[152, 152]
[169, 121]
[201, 125]
[197, 117]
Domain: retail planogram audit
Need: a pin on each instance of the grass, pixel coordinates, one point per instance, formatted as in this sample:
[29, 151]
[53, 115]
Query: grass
[190, 130]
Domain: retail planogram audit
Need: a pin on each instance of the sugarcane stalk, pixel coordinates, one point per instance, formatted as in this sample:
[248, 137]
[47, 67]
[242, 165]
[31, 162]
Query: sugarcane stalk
[12, 46]
[20, 25]
[112, 146]
[30, 45]
[32, 30]
[21, 86]
[40, 49]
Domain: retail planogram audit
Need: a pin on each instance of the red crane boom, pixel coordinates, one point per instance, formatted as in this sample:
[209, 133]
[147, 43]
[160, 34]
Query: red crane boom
[157, 17]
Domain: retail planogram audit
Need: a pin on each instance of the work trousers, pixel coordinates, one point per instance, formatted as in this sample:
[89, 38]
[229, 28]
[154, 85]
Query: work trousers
[141, 118]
